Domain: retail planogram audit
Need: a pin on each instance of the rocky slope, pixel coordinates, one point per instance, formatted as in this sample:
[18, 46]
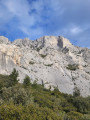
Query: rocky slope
[51, 60]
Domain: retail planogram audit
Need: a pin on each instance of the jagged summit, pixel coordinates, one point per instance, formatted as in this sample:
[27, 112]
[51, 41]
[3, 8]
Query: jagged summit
[52, 41]
[45, 41]
[53, 60]
[4, 40]
[22, 42]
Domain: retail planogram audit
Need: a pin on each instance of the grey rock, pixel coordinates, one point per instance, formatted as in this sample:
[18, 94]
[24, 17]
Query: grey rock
[46, 59]
[4, 40]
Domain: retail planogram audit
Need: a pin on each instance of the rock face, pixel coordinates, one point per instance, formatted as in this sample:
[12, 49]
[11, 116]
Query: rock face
[4, 40]
[53, 60]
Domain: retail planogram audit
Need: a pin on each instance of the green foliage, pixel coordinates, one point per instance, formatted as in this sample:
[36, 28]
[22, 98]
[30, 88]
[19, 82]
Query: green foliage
[34, 85]
[9, 80]
[56, 89]
[43, 101]
[4, 81]
[27, 81]
[31, 101]
[72, 67]
[76, 92]
[16, 94]
[13, 77]
[74, 116]
[43, 56]
[31, 62]
[43, 83]
[30, 112]
[49, 65]
[11, 112]
[38, 49]
[82, 104]
[86, 117]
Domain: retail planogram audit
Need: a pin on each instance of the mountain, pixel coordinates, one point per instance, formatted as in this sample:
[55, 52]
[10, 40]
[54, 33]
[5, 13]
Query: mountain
[50, 60]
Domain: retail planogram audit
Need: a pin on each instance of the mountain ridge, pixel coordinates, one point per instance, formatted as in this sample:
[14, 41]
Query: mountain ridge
[53, 60]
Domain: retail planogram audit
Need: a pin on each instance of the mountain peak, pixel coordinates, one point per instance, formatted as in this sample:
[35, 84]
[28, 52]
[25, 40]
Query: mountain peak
[4, 40]
[53, 60]
[53, 42]
[63, 42]
[44, 42]
[22, 42]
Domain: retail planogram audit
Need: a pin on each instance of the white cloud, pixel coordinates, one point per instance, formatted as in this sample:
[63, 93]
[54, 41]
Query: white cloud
[20, 10]
[5, 16]
[54, 17]
[17, 7]
[75, 30]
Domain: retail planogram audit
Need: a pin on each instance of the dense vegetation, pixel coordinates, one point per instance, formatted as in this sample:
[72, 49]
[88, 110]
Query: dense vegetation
[31, 101]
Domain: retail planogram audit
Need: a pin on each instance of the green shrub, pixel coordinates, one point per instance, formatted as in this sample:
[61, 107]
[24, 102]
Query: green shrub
[31, 62]
[49, 65]
[13, 77]
[31, 101]
[76, 92]
[72, 67]
[38, 49]
[82, 104]
[43, 56]
[27, 81]
[74, 116]
[11, 112]
[30, 112]
[16, 94]
[86, 117]
[9, 80]
[4, 81]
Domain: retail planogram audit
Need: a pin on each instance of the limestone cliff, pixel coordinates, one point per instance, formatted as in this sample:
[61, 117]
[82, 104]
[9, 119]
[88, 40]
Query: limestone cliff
[53, 60]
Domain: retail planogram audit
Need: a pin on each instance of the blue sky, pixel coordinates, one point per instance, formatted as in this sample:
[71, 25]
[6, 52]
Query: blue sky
[36, 18]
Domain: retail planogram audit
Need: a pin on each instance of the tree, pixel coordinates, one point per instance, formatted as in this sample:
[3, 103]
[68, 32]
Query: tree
[13, 77]
[82, 104]
[42, 83]
[27, 81]
[76, 92]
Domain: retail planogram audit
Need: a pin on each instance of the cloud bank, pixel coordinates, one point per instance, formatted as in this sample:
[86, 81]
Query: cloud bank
[36, 18]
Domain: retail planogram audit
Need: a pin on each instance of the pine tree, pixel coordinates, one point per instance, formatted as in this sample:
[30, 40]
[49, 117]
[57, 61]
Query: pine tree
[13, 77]
[26, 81]
[76, 92]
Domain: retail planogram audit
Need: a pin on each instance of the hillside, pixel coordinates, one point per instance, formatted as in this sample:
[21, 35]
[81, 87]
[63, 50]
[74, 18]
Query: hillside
[49, 59]
[31, 101]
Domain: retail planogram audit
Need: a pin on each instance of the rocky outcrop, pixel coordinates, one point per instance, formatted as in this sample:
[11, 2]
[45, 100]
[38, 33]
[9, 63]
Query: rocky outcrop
[4, 40]
[53, 60]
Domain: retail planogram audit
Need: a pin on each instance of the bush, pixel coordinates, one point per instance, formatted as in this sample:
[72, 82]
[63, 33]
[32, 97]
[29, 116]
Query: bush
[43, 56]
[9, 80]
[16, 94]
[42, 113]
[49, 65]
[31, 62]
[82, 104]
[11, 112]
[21, 102]
[74, 116]
[72, 67]
[30, 112]
[76, 92]
[13, 77]
[27, 81]
[4, 81]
